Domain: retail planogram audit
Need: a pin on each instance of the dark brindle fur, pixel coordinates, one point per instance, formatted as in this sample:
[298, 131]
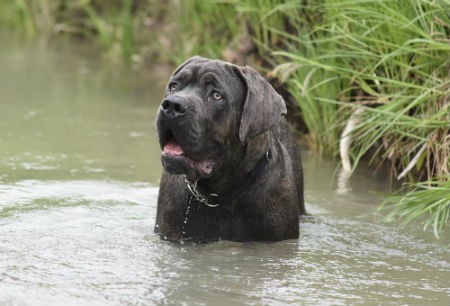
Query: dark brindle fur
[224, 126]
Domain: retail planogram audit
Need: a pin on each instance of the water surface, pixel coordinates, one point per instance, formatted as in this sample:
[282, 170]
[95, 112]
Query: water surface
[79, 170]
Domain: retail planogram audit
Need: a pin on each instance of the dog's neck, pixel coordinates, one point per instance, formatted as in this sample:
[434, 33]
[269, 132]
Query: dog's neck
[233, 173]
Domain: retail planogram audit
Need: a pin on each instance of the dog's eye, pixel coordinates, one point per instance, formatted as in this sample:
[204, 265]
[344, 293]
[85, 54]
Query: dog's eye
[217, 96]
[173, 87]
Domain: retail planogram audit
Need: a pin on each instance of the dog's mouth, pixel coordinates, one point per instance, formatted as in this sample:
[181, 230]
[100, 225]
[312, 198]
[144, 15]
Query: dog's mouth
[176, 161]
[171, 147]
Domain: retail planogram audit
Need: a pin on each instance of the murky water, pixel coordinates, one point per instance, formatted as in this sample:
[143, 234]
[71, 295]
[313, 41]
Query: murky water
[79, 169]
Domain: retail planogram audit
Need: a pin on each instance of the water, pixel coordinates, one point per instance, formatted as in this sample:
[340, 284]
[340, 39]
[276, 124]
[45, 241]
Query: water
[79, 169]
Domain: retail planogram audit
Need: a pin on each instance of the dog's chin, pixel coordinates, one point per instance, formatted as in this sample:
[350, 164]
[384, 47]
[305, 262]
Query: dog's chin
[176, 162]
[180, 164]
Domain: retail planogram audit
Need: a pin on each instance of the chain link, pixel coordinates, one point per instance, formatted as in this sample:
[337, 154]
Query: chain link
[192, 187]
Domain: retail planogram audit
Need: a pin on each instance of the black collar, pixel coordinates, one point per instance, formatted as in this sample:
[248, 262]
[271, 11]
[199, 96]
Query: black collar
[202, 195]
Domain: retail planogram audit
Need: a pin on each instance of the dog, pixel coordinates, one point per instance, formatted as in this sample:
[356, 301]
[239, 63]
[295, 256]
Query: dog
[231, 167]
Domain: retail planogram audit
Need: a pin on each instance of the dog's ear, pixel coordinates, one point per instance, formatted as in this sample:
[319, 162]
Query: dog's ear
[263, 106]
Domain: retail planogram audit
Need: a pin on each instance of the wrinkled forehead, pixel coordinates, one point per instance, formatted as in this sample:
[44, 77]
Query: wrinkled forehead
[200, 67]
[218, 73]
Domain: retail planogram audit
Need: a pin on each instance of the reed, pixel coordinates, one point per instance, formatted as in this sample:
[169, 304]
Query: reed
[18, 13]
[426, 202]
[202, 27]
[388, 60]
[108, 23]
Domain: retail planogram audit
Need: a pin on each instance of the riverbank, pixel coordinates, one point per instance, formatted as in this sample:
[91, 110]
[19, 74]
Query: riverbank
[365, 79]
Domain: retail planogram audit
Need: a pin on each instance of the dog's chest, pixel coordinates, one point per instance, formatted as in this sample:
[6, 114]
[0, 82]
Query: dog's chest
[211, 223]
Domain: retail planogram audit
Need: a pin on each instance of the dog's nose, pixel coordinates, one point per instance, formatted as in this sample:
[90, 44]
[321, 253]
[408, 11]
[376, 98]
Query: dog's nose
[172, 108]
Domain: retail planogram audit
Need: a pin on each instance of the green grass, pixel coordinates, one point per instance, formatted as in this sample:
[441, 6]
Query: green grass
[377, 56]
[202, 27]
[117, 26]
[389, 59]
[428, 202]
[18, 13]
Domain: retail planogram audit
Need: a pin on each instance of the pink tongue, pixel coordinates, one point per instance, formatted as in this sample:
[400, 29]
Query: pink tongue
[173, 148]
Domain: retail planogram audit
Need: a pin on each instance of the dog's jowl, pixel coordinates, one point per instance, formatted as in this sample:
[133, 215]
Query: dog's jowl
[232, 169]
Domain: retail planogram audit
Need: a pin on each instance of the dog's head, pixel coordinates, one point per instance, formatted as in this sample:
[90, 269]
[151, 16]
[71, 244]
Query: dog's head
[210, 109]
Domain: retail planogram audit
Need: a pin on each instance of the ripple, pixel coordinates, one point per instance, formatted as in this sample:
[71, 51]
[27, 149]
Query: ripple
[32, 194]
[92, 243]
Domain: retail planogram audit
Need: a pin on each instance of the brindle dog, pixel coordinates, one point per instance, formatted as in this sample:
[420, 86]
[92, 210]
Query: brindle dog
[232, 169]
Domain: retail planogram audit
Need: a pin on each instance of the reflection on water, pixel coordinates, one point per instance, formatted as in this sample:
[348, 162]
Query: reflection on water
[79, 166]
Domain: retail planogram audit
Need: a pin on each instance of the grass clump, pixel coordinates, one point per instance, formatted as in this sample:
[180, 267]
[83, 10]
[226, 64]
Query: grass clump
[427, 202]
[387, 61]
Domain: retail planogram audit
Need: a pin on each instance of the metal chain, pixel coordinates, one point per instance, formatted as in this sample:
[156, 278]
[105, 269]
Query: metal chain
[192, 187]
